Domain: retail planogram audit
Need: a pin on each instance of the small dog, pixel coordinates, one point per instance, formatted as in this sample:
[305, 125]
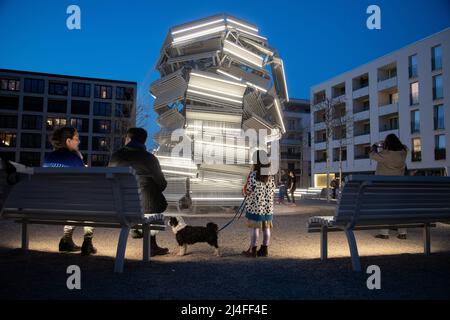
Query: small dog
[190, 235]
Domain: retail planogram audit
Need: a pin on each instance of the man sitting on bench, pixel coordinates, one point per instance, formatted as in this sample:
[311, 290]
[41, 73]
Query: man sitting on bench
[151, 180]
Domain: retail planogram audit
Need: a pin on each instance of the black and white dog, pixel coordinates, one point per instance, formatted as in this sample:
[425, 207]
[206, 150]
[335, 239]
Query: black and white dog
[190, 235]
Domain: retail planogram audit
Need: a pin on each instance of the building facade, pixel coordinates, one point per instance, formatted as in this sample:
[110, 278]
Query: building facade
[406, 92]
[295, 151]
[33, 104]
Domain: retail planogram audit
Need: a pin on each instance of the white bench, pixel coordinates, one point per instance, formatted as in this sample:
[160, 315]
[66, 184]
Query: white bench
[383, 202]
[98, 197]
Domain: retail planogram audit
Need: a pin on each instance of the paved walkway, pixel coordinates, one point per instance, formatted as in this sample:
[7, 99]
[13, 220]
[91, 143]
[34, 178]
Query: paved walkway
[293, 270]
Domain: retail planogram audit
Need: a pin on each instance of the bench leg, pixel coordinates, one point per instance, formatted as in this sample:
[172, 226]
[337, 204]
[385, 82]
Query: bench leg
[146, 243]
[25, 236]
[121, 248]
[324, 243]
[426, 239]
[356, 263]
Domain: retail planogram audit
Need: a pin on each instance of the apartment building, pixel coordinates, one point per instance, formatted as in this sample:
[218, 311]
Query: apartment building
[33, 104]
[406, 92]
[295, 148]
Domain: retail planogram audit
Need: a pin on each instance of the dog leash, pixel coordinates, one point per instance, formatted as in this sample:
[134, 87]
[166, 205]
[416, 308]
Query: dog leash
[239, 212]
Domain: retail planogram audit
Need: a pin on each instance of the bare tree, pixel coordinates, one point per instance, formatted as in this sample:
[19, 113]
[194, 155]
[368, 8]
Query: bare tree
[338, 127]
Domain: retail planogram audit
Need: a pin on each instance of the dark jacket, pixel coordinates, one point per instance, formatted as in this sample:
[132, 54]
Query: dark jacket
[150, 176]
[63, 158]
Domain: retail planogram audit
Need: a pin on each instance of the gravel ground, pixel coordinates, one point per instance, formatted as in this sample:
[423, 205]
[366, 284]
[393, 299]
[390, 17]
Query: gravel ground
[293, 270]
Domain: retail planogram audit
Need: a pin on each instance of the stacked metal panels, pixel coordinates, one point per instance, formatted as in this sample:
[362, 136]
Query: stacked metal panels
[219, 76]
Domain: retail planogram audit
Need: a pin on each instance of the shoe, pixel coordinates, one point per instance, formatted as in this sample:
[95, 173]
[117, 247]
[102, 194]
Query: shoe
[250, 253]
[136, 234]
[66, 244]
[156, 250]
[263, 251]
[382, 236]
[401, 236]
[88, 248]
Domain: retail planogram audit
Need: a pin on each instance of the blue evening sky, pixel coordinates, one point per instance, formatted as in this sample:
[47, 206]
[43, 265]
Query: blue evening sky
[121, 39]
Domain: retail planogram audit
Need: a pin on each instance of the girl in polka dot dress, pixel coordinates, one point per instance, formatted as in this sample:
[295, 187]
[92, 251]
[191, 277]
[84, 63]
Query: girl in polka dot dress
[259, 190]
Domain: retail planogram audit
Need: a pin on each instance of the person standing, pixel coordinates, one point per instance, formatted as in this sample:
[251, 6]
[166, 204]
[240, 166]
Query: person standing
[65, 142]
[391, 161]
[151, 180]
[292, 185]
[259, 205]
[334, 185]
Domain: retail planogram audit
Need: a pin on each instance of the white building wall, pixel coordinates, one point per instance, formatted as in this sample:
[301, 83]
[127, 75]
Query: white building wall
[426, 105]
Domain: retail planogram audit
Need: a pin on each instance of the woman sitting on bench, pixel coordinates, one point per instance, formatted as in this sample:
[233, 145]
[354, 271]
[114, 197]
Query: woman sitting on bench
[65, 142]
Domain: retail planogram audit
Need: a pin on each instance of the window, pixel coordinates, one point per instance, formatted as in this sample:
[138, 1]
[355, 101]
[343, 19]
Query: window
[57, 106]
[393, 98]
[362, 151]
[439, 147]
[103, 92]
[124, 93]
[120, 127]
[416, 154]
[53, 123]
[100, 144]
[57, 88]
[437, 87]
[81, 90]
[33, 104]
[118, 143]
[123, 110]
[100, 160]
[9, 102]
[83, 143]
[7, 139]
[337, 152]
[30, 140]
[80, 107]
[102, 126]
[415, 121]
[102, 109]
[9, 156]
[321, 156]
[31, 159]
[436, 58]
[8, 121]
[413, 66]
[34, 85]
[439, 117]
[413, 93]
[291, 124]
[31, 122]
[82, 125]
[10, 84]
[319, 97]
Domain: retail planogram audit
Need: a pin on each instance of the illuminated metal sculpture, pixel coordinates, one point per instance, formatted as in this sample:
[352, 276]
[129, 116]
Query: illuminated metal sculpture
[218, 77]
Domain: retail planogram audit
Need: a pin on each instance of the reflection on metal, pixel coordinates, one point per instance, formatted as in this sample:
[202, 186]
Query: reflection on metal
[218, 77]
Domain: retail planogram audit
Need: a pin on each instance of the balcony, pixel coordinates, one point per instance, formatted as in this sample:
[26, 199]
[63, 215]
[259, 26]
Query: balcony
[320, 145]
[388, 109]
[361, 92]
[388, 127]
[388, 83]
[290, 156]
[363, 115]
[362, 139]
[291, 142]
